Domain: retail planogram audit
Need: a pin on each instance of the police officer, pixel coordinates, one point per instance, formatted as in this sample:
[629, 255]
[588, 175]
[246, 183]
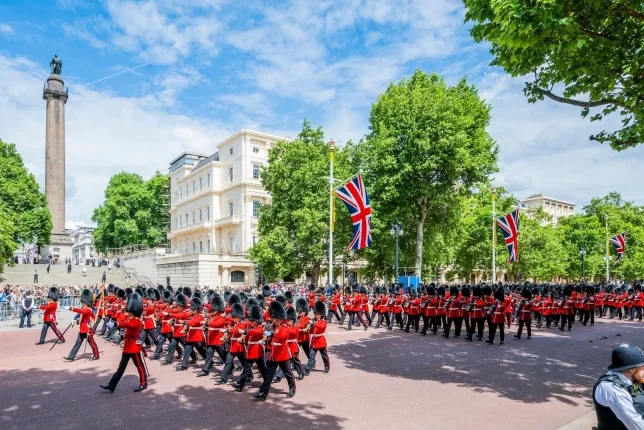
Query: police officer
[617, 395]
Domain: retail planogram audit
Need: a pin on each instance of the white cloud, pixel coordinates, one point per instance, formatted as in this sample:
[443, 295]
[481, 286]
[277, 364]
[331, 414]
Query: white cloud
[6, 28]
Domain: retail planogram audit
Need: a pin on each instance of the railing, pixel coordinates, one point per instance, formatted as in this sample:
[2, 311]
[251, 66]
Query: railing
[10, 312]
[139, 278]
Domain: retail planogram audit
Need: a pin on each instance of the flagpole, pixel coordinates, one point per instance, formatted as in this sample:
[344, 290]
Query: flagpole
[493, 235]
[331, 183]
[607, 250]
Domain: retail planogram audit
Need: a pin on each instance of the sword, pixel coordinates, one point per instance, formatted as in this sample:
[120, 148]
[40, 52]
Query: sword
[62, 335]
[145, 363]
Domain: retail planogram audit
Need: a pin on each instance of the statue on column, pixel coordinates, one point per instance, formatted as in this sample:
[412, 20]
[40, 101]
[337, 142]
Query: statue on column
[56, 65]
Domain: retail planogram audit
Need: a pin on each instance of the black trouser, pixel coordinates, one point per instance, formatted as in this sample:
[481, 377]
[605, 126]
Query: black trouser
[160, 341]
[296, 365]
[175, 345]
[331, 314]
[442, 320]
[458, 323]
[384, 315]
[527, 324]
[478, 324]
[356, 315]
[189, 351]
[537, 316]
[210, 355]
[398, 320]
[565, 318]
[97, 322]
[104, 328]
[616, 310]
[43, 332]
[271, 368]
[434, 321]
[634, 310]
[413, 319]
[79, 340]
[246, 372]
[508, 318]
[311, 363]
[373, 315]
[138, 362]
[590, 315]
[228, 365]
[548, 320]
[24, 314]
[148, 334]
[493, 331]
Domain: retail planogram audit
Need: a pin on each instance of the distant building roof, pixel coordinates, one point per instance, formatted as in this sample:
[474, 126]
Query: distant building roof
[194, 154]
[542, 197]
[213, 157]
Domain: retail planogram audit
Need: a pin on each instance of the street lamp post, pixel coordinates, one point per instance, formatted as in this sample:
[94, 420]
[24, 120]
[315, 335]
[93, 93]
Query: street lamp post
[396, 231]
[582, 252]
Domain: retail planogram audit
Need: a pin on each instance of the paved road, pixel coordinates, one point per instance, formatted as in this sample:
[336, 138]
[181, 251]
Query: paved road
[379, 380]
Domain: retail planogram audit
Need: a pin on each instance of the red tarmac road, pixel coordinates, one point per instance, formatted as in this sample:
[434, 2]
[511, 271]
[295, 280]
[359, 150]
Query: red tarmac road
[379, 380]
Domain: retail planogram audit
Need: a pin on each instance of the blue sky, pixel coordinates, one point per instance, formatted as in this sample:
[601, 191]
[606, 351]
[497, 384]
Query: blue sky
[207, 68]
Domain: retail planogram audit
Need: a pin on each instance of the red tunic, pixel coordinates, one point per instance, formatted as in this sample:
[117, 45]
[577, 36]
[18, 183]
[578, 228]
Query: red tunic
[86, 317]
[525, 314]
[195, 332]
[294, 331]
[414, 307]
[335, 301]
[132, 335]
[318, 340]
[254, 347]
[216, 330]
[109, 300]
[279, 345]
[311, 298]
[478, 311]
[50, 311]
[498, 316]
[431, 309]
[148, 319]
[179, 318]
[567, 307]
[398, 305]
[454, 308]
[236, 338]
[302, 334]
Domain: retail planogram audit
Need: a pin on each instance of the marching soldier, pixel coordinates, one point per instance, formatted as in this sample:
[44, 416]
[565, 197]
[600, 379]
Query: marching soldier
[525, 313]
[237, 348]
[132, 347]
[49, 318]
[164, 310]
[194, 335]
[303, 339]
[496, 316]
[177, 320]
[254, 347]
[318, 339]
[86, 313]
[149, 308]
[216, 327]
[567, 310]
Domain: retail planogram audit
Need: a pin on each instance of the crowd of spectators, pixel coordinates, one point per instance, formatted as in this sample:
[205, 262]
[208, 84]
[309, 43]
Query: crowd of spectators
[12, 297]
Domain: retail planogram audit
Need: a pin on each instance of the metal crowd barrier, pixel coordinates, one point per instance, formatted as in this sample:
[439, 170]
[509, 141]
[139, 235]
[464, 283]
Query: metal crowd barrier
[10, 315]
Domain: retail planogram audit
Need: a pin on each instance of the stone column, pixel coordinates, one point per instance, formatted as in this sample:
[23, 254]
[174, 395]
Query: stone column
[225, 278]
[55, 95]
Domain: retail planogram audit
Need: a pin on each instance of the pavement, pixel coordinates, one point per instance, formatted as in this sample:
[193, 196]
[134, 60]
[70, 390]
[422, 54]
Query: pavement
[23, 275]
[379, 379]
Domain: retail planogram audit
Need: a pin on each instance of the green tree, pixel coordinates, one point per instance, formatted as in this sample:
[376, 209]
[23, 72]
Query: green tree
[427, 150]
[585, 231]
[590, 48]
[135, 211]
[24, 216]
[294, 227]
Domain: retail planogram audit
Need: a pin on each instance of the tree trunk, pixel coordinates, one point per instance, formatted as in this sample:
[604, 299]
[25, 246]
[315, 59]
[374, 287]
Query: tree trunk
[315, 273]
[420, 229]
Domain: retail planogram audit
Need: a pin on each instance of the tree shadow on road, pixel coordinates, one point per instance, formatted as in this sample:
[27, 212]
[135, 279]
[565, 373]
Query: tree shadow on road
[552, 366]
[71, 399]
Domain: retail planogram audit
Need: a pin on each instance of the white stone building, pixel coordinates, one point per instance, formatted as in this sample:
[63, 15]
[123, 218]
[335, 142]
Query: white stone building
[214, 203]
[82, 244]
[553, 207]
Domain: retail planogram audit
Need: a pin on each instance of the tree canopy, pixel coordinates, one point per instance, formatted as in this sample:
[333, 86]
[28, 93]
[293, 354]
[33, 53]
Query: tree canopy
[585, 53]
[135, 211]
[24, 215]
[427, 150]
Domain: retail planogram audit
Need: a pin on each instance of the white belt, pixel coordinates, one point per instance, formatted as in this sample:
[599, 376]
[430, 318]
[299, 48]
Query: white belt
[291, 341]
[259, 342]
[218, 329]
[276, 344]
[317, 335]
[194, 328]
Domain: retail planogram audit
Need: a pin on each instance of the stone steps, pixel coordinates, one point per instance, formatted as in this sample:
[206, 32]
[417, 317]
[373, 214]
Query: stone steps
[23, 274]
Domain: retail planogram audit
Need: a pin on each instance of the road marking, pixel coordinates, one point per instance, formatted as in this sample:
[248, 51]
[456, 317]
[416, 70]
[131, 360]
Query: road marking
[364, 340]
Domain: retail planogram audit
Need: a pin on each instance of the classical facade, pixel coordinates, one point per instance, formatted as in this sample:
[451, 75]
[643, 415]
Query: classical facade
[553, 207]
[214, 204]
[83, 244]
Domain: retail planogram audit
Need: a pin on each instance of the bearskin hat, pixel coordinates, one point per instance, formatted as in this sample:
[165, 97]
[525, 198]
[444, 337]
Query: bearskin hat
[638, 287]
[311, 287]
[196, 304]
[255, 314]
[476, 291]
[288, 296]
[157, 295]
[281, 300]
[149, 294]
[135, 304]
[236, 310]
[440, 291]
[363, 290]
[227, 295]
[486, 290]
[535, 291]
[526, 293]
[453, 292]
[139, 291]
[181, 300]
[53, 294]
[554, 295]
[217, 304]
[251, 302]
[209, 293]
[110, 288]
[169, 288]
[412, 291]
[260, 301]
[198, 294]
[128, 291]
[266, 291]
[120, 293]
[347, 291]
[590, 289]
[234, 299]
[465, 292]
[187, 291]
[499, 294]
[319, 309]
[276, 311]
[431, 291]
[355, 287]
[291, 314]
[301, 305]
[87, 297]
[167, 296]
[422, 289]
[376, 290]
[577, 288]
[567, 292]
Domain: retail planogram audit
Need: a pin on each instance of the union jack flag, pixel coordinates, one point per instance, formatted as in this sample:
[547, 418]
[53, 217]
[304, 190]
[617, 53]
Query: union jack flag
[619, 242]
[355, 198]
[509, 224]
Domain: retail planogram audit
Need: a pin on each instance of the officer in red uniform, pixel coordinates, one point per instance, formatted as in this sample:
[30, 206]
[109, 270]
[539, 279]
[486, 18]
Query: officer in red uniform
[109, 300]
[383, 309]
[302, 309]
[180, 315]
[49, 317]
[216, 327]
[237, 347]
[334, 305]
[311, 295]
[254, 347]
[279, 355]
[398, 308]
[497, 316]
[132, 346]
[318, 339]
[589, 306]
[477, 313]
[413, 310]
[194, 336]
[348, 307]
[86, 313]
[567, 309]
[163, 310]
[149, 327]
[429, 311]
[442, 310]
[525, 313]
[453, 307]
[294, 348]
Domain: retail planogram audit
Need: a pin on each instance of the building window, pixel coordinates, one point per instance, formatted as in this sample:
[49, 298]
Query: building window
[208, 213]
[193, 217]
[255, 171]
[176, 221]
[237, 276]
[208, 179]
[231, 208]
[255, 149]
[200, 246]
[231, 241]
[187, 191]
[194, 187]
[255, 208]
[186, 219]
[231, 150]
[181, 192]
[200, 217]
[255, 240]
[231, 174]
[200, 184]
[208, 246]
[194, 247]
